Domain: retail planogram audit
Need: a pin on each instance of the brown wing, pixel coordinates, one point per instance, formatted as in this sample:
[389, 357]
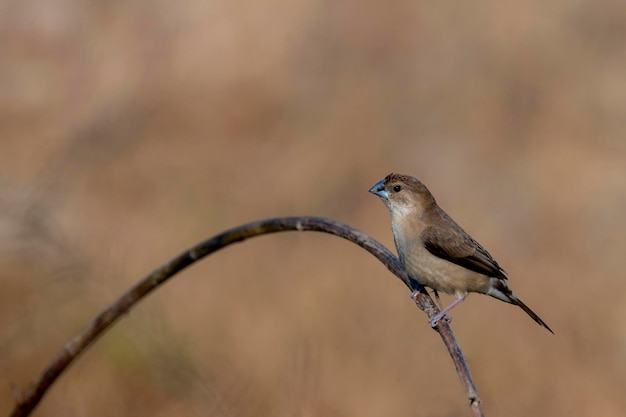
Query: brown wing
[453, 244]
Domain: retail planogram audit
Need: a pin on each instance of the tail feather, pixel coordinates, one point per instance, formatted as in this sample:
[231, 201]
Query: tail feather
[500, 290]
[531, 313]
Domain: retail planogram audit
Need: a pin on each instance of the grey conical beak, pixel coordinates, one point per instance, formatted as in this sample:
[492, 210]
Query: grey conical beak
[379, 190]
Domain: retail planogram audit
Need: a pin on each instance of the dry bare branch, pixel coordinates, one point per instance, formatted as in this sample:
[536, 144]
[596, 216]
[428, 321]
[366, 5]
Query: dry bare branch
[108, 317]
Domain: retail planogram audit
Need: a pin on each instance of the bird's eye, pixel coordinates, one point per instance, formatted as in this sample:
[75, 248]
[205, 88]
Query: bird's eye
[397, 188]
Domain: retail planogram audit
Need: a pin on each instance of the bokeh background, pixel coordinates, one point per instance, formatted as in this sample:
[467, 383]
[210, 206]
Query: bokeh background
[131, 130]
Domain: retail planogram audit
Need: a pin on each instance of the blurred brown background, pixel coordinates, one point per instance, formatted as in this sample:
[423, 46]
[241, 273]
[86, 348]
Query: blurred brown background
[131, 130]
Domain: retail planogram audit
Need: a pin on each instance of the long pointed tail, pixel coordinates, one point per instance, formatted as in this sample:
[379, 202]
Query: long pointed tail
[528, 311]
[500, 290]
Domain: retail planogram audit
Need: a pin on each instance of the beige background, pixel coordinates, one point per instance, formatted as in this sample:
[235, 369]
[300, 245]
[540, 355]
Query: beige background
[131, 130]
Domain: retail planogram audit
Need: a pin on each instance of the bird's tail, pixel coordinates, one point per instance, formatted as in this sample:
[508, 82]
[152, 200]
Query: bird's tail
[531, 313]
[501, 291]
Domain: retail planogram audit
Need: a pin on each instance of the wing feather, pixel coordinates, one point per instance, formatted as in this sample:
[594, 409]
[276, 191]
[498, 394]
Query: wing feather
[455, 245]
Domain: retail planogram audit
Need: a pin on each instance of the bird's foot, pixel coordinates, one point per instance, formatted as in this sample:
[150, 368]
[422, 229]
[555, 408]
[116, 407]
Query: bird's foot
[414, 295]
[434, 320]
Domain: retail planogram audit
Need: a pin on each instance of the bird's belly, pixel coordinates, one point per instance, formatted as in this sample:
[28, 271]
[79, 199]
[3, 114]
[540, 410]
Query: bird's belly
[443, 275]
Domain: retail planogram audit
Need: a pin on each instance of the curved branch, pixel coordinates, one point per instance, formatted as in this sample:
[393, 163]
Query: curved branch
[109, 316]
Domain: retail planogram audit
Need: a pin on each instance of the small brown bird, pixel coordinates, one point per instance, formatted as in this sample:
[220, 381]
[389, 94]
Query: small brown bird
[436, 251]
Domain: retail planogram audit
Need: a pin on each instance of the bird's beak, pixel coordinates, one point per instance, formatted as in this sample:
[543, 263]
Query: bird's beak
[379, 190]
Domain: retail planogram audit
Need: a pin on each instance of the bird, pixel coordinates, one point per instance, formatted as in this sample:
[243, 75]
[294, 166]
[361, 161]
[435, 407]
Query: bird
[436, 252]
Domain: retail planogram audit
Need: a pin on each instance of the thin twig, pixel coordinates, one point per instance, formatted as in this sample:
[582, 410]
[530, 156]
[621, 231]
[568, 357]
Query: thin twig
[108, 317]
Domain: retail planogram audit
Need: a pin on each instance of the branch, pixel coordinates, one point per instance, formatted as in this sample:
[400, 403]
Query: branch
[109, 316]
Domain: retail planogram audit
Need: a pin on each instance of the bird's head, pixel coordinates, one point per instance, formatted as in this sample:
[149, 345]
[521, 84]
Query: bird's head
[403, 195]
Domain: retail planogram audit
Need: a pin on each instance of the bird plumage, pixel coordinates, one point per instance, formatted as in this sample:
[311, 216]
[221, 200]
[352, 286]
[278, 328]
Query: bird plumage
[436, 251]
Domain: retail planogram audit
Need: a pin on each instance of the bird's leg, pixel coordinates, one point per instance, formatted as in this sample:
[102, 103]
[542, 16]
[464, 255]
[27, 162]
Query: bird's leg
[438, 299]
[434, 319]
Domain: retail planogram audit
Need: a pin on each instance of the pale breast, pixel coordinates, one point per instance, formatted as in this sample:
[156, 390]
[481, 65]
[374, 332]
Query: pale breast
[434, 272]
